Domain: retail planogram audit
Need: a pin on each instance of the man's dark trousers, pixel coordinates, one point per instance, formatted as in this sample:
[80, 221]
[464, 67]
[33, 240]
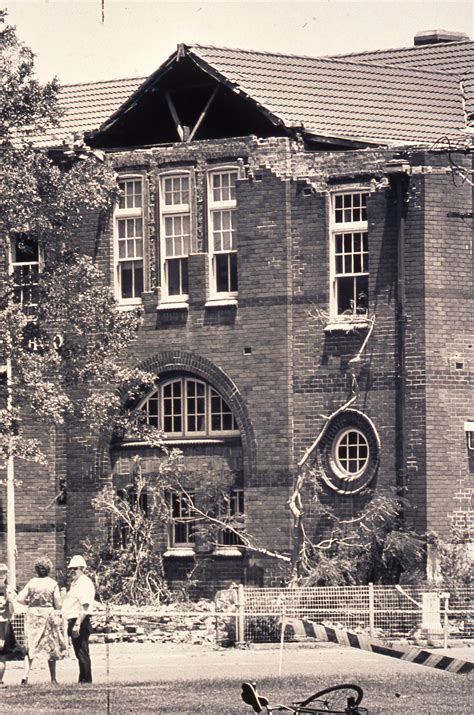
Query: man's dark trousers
[81, 648]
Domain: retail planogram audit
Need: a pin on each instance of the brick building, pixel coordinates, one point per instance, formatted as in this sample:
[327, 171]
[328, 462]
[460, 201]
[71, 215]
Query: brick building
[276, 211]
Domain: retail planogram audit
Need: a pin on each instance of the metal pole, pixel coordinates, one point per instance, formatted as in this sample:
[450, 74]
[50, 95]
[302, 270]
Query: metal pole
[11, 522]
[240, 615]
[445, 597]
[107, 656]
[282, 637]
[371, 610]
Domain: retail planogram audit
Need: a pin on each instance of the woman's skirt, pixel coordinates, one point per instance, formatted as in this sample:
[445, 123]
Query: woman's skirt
[45, 634]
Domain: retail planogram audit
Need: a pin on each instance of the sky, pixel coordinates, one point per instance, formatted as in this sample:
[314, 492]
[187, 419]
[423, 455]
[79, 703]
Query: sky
[72, 42]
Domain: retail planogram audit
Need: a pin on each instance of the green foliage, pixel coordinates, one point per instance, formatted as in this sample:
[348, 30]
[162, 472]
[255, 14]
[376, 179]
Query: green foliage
[127, 566]
[126, 561]
[25, 105]
[65, 350]
[454, 557]
[371, 546]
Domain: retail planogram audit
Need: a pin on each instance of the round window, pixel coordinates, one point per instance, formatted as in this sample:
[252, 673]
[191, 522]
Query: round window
[349, 452]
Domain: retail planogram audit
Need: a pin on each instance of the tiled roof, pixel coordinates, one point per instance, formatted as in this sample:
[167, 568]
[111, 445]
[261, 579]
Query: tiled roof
[336, 97]
[453, 57]
[87, 106]
[375, 97]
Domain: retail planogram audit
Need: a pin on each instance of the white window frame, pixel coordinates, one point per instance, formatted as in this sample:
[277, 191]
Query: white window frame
[120, 214]
[178, 211]
[184, 433]
[29, 307]
[213, 207]
[336, 462]
[122, 467]
[190, 526]
[233, 506]
[346, 227]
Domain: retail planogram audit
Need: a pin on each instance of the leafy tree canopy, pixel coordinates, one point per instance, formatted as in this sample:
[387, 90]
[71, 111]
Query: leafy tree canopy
[61, 331]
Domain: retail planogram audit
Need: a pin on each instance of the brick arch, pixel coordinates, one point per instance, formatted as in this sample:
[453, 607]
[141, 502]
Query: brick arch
[181, 360]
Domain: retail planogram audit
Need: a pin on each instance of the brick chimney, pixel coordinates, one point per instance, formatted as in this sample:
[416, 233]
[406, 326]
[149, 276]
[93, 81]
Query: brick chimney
[436, 37]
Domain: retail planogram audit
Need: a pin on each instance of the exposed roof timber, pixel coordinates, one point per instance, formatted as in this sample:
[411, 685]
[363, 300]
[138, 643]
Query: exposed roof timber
[183, 132]
[182, 52]
[203, 113]
[342, 141]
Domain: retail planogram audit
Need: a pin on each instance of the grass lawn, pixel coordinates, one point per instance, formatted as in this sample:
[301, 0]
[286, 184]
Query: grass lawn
[418, 694]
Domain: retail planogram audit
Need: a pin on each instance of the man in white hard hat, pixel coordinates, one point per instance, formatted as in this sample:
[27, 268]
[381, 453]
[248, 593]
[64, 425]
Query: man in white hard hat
[77, 609]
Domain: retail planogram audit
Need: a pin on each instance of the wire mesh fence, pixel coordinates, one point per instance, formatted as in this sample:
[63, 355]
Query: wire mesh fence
[254, 615]
[391, 612]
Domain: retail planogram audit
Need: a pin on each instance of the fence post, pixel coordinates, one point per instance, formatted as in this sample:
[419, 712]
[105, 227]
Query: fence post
[240, 619]
[445, 597]
[371, 610]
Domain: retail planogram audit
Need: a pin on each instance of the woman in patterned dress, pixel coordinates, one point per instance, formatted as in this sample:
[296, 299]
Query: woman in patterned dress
[44, 625]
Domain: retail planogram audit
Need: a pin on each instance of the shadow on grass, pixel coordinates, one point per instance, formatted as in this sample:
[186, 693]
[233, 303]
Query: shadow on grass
[422, 692]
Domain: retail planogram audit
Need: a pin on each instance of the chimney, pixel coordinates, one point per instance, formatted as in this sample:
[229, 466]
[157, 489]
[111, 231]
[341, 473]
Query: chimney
[436, 37]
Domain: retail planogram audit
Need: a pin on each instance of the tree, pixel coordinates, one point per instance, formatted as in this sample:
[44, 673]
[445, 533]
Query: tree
[62, 333]
[127, 562]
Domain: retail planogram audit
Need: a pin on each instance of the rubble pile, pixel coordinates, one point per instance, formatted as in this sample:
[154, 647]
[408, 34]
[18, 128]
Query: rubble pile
[173, 623]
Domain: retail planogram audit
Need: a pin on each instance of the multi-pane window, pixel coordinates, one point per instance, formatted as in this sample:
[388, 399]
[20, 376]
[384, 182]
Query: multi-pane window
[222, 238]
[134, 505]
[175, 210]
[185, 407]
[231, 510]
[350, 253]
[24, 267]
[182, 531]
[129, 240]
[351, 453]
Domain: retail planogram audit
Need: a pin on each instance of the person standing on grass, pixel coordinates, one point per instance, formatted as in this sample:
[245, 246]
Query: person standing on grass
[44, 626]
[8, 644]
[77, 608]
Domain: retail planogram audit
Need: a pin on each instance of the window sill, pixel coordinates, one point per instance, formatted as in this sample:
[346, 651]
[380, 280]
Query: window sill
[221, 303]
[227, 551]
[197, 440]
[183, 553]
[221, 551]
[348, 325]
[174, 441]
[130, 306]
[172, 306]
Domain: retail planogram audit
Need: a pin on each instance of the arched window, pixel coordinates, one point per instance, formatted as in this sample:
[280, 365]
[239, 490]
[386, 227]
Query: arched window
[187, 407]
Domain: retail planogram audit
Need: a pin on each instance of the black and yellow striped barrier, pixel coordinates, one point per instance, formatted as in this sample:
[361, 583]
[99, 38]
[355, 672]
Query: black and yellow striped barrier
[411, 654]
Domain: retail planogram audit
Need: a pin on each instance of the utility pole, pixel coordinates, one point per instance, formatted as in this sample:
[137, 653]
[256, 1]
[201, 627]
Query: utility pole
[11, 521]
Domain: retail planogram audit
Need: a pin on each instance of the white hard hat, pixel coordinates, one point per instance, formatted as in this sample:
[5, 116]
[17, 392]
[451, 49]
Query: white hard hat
[77, 561]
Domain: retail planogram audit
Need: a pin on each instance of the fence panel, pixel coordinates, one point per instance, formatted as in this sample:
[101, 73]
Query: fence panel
[254, 615]
[390, 612]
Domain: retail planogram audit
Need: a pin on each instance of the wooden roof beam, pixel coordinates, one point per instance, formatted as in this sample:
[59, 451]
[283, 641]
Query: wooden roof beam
[203, 113]
[183, 131]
